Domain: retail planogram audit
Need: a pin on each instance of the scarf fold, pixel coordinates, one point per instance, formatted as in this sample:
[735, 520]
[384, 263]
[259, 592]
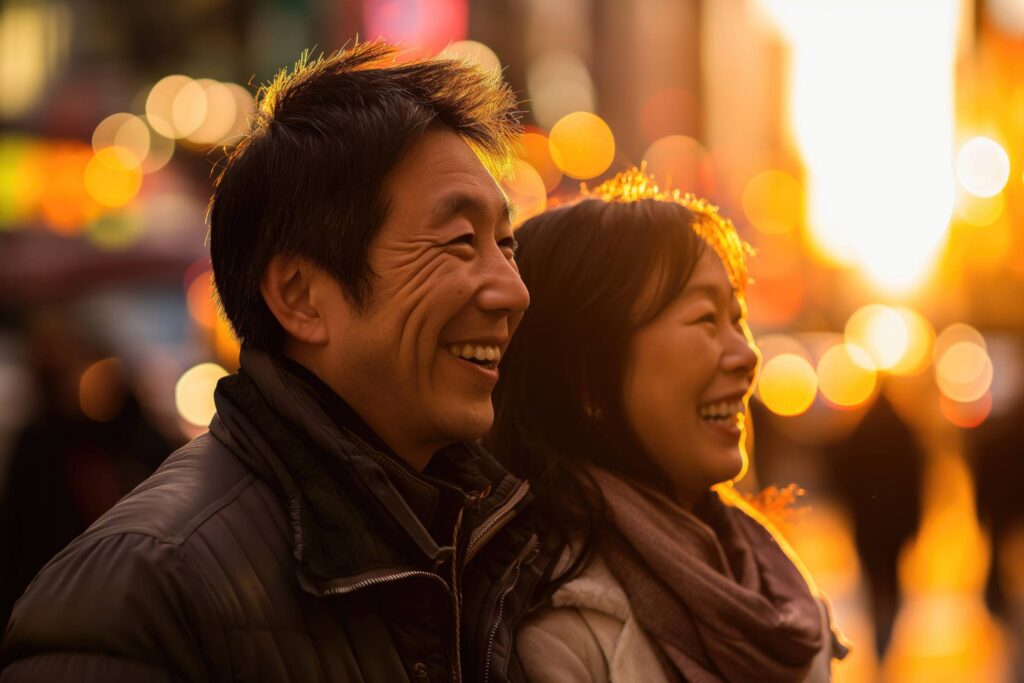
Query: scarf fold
[720, 598]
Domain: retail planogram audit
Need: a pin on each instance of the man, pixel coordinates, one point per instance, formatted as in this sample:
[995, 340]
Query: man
[336, 523]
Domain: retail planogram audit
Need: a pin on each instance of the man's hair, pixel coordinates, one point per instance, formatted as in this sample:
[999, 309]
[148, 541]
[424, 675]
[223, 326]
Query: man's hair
[308, 179]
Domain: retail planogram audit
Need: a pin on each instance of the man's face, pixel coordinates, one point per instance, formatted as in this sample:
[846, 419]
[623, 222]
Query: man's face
[419, 362]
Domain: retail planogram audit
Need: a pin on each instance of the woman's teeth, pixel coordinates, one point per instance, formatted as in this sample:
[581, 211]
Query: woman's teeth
[724, 411]
[486, 355]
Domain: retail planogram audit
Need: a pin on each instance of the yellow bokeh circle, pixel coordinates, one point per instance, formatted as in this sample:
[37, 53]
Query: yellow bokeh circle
[582, 145]
[846, 375]
[193, 393]
[110, 180]
[787, 384]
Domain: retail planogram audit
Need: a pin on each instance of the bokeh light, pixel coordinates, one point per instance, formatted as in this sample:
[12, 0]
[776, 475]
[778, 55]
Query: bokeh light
[582, 145]
[201, 300]
[115, 230]
[920, 340]
[535, 150]
[160, 151]
[64, 202]
[126, 134]
[964, 372]
[979, 211]
[773, 201]
[966, 415]
[21, 180]
[881, 331]
[160, 104]
[220, 114]
[193, 393]
[525, 189]
[1008, 15]
[846, 375]
[189, 108]
[101, 390]
[680, 162]
[109, 180]
[558, 84]
[982, 167]
[787, 384]
[245, 107]
[955, 333]
[475, 52]
[421, 26]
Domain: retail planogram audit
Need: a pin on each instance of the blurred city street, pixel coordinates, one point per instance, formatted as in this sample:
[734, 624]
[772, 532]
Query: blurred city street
[871, 152]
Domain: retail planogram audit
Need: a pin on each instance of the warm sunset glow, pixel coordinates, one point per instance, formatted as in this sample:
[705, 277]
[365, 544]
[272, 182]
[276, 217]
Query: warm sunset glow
[982, 167]
[787, 384]
[525, 189]
[193, 393]
[846, 375]
[582, 145]
[773, 202]
[964, 372]
[879, 179]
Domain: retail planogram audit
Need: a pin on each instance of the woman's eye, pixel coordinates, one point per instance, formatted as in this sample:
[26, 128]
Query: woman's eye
[707, 318]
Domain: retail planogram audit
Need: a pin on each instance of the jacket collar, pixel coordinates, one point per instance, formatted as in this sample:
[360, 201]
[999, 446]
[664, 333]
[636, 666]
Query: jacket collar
[354, 505]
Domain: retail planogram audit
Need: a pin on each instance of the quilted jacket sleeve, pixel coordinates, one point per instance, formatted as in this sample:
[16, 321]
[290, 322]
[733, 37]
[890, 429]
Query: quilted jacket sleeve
[111, 608]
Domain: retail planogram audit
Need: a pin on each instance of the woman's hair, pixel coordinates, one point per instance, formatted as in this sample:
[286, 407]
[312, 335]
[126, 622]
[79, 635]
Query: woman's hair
[597, 270]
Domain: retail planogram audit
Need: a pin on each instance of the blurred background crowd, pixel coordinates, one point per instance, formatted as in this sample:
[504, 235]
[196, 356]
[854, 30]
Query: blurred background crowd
[872, 152]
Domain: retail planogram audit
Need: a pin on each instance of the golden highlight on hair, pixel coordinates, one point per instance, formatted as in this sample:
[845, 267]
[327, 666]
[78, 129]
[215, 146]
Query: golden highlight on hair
[636, 185]
[485, 105]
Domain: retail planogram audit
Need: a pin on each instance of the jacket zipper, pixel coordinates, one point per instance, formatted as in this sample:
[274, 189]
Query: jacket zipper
[497, 622]
[495, 522]
[456, 597]
[500, 609]
[365, 583]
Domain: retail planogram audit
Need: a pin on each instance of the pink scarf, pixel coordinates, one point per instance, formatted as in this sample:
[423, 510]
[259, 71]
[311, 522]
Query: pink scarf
[720, 599]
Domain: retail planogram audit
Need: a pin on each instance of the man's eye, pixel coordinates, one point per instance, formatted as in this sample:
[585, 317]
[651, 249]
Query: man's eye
[510, 245]
[468, 238]
[707, 318]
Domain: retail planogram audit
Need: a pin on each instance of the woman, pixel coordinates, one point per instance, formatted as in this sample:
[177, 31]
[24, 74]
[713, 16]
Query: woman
[623, 398]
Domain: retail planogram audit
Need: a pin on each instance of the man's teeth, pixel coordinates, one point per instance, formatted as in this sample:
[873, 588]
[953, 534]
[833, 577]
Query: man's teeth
[724, 410]
[484, 354]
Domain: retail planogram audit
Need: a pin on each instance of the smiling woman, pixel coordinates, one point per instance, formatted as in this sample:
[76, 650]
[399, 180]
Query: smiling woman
[623, 398]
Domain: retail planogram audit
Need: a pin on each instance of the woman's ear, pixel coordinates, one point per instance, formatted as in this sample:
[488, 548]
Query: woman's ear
[286, 286]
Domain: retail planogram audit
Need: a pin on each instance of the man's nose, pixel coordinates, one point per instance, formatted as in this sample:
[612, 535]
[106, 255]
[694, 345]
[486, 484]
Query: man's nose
[503, 290]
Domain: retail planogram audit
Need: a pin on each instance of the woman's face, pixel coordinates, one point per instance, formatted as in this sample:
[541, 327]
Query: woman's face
[689, 373]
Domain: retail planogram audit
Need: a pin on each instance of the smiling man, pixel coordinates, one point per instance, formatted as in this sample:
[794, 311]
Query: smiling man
[337, 523]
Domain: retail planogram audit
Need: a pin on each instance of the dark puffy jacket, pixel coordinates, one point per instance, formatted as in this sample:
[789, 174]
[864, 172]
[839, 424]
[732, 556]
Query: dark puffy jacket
[219, 567]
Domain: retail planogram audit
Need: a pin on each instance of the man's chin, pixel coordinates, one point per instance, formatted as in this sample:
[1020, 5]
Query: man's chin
[469, 423]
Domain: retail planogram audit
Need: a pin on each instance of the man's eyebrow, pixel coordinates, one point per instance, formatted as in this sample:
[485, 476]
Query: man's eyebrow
[459, 203]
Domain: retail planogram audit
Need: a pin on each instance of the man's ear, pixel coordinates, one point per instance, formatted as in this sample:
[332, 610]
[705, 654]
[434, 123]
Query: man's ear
[287, 286]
